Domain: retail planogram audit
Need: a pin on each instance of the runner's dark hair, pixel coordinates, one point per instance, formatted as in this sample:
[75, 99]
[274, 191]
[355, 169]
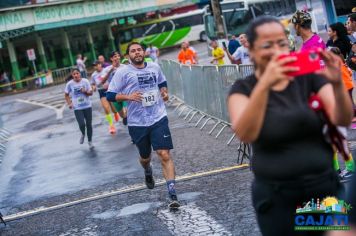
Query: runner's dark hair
[74, 69]
[133, 43]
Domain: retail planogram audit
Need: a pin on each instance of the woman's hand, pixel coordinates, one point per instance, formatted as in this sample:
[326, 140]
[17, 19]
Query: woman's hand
[332, 70]
[277, 70]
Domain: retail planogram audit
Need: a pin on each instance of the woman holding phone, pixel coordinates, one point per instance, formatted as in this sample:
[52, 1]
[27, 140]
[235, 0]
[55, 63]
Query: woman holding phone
[292, 161]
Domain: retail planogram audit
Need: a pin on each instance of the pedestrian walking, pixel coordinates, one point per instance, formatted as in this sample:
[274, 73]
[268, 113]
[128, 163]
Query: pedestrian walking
[293, 162]
[144, 87]
[77, 93]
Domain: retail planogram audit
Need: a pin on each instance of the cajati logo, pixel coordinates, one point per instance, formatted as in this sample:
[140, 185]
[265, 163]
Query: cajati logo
[327, 214]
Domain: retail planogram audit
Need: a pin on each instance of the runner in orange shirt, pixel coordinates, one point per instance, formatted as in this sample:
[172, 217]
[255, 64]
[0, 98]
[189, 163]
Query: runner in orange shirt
[186, 55]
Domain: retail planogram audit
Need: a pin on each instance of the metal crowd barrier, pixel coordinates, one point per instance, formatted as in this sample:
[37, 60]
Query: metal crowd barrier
[60, 75]
[204, 87]
[41, 80]
[203, 90]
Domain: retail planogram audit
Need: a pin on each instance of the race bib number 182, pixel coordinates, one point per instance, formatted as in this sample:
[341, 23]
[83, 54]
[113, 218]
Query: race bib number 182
[149, 98]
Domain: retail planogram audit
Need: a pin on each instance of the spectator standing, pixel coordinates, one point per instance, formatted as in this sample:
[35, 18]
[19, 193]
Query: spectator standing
[338, 38]
[152, 52]
[218, 54]
[81, 65]
[194, 51]
[302, 22]
[241, 55]
[233, 44]
[186, 55]
[291, 164]
[103, 62]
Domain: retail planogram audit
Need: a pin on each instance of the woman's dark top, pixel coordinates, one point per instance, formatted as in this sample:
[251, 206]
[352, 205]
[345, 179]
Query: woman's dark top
[343, 44]
[290, 144]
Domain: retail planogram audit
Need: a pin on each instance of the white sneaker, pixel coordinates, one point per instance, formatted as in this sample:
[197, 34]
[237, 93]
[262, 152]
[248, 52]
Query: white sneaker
[91, 146]
[81, 140]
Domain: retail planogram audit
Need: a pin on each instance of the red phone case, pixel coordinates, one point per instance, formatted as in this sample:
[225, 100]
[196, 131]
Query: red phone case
[307, 61]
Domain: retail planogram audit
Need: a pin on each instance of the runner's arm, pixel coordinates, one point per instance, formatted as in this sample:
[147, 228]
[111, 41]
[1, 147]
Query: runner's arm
[68, 100]
[231, 58]
[104, 78]
[88, 92]
[87, 89]
[93, 87]
[115, 97]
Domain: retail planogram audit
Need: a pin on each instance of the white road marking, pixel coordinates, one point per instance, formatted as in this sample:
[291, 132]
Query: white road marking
[191, 219]
[59, 111]
[131, 188]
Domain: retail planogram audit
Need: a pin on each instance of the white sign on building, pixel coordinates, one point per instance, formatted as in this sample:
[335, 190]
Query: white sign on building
[31, 54]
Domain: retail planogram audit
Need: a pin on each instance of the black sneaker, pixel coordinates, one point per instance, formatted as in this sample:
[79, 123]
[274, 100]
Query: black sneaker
[173, 202]
[124, 121]
[150, 182]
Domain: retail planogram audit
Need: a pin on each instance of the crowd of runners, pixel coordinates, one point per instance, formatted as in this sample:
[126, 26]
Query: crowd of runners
[135, 91]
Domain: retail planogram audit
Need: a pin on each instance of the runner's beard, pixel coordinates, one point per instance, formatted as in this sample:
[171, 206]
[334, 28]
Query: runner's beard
[137, 61]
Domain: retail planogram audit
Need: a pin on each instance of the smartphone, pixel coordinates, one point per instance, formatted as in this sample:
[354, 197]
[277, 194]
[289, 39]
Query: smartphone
[307, 61]
[224, 44]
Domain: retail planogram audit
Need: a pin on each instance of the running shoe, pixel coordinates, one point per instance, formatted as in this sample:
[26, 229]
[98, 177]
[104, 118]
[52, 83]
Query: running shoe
[173, 202]
[112, 129]
[149, 181]
[81, 140]
[346, 175]
[116, 116]
[124, 121]
[91, 146]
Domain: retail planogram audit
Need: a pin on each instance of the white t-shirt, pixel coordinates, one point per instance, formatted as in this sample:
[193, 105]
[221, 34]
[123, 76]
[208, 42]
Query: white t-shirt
[242, 54]
[80, 64]
[96, 78]
[130, 79]
[80, 100]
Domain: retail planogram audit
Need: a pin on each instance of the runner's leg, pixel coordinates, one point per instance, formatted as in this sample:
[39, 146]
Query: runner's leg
[88, 121]
[79, 115]
[161, 140]
[115, 111]
[142, 140]
[106, 105]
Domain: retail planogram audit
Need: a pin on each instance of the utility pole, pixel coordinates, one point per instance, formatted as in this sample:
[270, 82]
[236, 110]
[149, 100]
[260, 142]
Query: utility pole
[216, 10]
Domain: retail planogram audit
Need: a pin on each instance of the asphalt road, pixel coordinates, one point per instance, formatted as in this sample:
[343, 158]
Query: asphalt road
[52, 185]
